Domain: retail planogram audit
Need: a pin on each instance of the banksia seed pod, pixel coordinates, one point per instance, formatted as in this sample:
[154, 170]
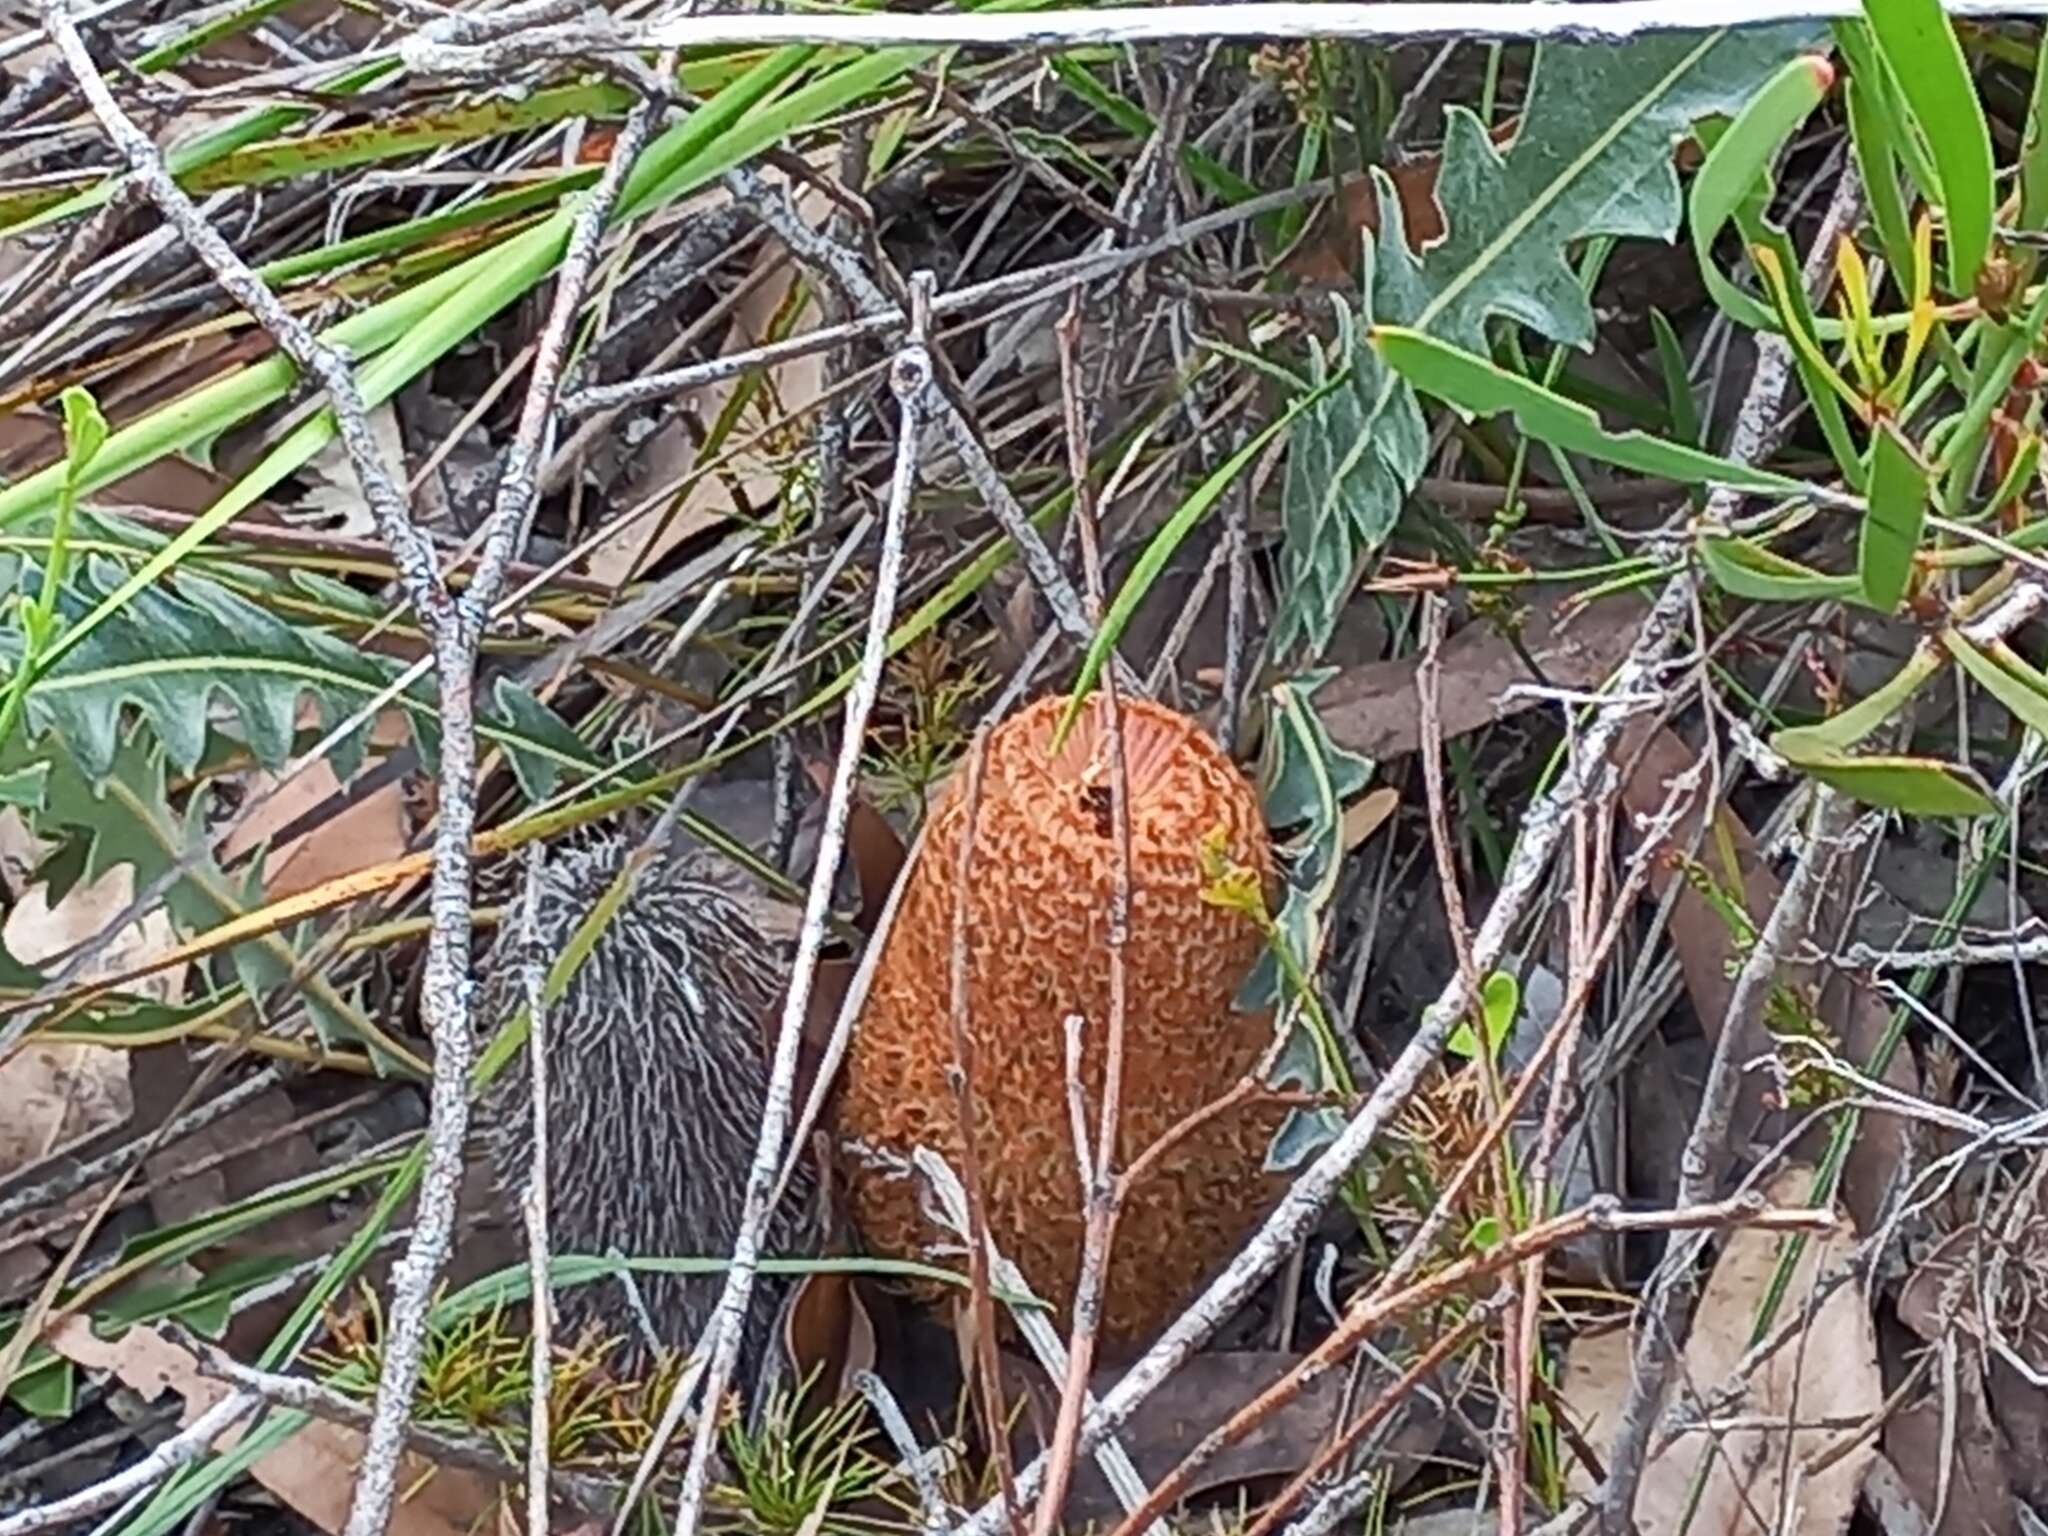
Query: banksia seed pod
[657, 1081]
[1039, 887]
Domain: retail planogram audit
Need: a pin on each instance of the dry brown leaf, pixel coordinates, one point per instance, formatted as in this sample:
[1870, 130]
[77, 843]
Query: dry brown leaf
[314, 1472]
[59, 1093]
[370, 831]
[827, 1338]
[56, 1096]
[1827, 1377]
[1373, 709]
[1954, 1463]
[1193, 1401]
[787, 388]
[1367, 814]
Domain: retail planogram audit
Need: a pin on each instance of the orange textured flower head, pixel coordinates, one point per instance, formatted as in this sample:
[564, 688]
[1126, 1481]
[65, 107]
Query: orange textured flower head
[1038, 895]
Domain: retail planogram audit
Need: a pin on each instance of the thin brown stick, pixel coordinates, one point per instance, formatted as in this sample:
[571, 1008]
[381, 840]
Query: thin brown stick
[1361, 1318]
[1507, 1437]
[1343, 1442]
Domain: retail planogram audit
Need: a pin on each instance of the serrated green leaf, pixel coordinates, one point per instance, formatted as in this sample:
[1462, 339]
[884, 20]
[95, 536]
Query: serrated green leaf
[1899, 482]
[1305, 778]
[1592, 156]
[1744, 568]
[1474, 384]
[170, 651]
[1926, 61]
[125, 817]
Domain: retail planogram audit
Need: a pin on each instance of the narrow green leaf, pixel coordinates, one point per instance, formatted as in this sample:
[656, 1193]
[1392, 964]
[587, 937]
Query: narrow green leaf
[1809, 743]
[1475, 385]
[1915, 786]
[1161, 549]
[2033, 212]
[1738, 170]
[1899, 481]
[1919, 46]
[1132, 119]
[1744, 568]
[1877, 159]
[1678, 400]
[2003, 674]
[46, 1387]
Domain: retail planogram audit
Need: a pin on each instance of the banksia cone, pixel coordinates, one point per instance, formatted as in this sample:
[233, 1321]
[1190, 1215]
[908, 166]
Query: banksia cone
[1042, 872]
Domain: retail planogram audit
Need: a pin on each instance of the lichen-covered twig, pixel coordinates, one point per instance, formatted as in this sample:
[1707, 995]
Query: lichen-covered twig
[910, 379]
[455, 628]
[183, 1448]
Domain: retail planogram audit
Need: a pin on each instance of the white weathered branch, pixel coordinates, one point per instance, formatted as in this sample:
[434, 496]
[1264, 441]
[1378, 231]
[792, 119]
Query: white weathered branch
[1396, 21]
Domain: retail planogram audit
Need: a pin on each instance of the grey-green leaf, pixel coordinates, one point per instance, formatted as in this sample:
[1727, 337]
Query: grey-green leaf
[1592, 156]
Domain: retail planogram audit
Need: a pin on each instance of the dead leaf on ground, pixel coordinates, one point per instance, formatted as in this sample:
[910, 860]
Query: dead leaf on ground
[314, 1472]
[827, 1339]
[1953, 1461]
[1943, 1302]
[334, 499]
[1367, 814]
[1193, 1401]
[58, 1094]
[756, 478]
[367, 832]
[1827, 1376]
[1373, 709]
[1709, 957]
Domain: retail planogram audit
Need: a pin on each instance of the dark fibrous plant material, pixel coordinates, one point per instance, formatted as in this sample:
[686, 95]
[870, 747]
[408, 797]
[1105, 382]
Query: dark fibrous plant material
[656, 1084]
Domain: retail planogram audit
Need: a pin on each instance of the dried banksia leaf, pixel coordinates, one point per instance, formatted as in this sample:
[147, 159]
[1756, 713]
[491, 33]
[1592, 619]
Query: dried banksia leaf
[1042, 873]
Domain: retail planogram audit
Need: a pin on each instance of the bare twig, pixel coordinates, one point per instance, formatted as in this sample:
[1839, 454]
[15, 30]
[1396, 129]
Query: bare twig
[1362, 1318]
[1100, 1189]
[910, 379]
[183, 1448]
[988, 1368]
[533, 1202]
[1399, 21]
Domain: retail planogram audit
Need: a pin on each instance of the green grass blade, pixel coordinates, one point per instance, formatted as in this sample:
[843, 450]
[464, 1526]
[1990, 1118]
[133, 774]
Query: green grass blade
[1161, 548]
[1920, 48]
